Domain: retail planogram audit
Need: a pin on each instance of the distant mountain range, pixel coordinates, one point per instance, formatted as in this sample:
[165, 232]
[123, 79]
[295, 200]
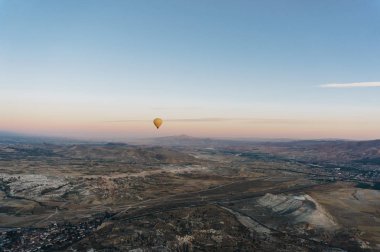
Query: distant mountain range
[187, 141]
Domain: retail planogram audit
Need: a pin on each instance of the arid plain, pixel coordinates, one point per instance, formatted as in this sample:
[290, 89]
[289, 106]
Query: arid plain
[189, 194]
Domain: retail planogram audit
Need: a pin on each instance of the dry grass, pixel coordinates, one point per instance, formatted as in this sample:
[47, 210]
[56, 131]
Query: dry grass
[353, 207]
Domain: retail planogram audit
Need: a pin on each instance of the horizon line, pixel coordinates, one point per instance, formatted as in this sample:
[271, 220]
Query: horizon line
[111, 139]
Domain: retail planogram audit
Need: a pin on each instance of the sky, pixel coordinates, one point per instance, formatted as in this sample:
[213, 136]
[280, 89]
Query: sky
[209, 68]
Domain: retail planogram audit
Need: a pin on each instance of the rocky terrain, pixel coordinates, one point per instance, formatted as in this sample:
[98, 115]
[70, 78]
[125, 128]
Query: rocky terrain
[200, 195]
[298, 209]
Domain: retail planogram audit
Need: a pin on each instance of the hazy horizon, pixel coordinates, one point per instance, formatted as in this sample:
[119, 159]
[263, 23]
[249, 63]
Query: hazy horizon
[133, 139]
[219, 69]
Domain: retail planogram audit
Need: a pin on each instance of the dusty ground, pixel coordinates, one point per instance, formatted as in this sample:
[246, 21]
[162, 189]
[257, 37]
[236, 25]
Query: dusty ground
[114, 195]
[353, 207]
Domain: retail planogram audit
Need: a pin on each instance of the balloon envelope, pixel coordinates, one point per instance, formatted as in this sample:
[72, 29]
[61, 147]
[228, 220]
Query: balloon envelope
[157, 122]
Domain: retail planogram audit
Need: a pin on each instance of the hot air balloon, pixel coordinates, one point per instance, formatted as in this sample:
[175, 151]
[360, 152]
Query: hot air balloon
[157, 122]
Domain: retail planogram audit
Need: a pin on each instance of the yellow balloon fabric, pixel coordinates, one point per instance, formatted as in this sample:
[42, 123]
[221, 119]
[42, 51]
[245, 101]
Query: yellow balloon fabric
[157, 122]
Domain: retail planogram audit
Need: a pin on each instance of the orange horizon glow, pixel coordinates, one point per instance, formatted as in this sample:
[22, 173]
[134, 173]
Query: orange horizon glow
[217, 128]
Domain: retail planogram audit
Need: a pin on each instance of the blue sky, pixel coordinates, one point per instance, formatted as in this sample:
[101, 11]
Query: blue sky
[83, 63]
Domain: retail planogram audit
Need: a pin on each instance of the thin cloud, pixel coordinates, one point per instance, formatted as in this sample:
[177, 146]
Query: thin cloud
[181, 108]
[179, 120]
[201, 120]
[351, 85]
[125, 121]
[212, 119]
